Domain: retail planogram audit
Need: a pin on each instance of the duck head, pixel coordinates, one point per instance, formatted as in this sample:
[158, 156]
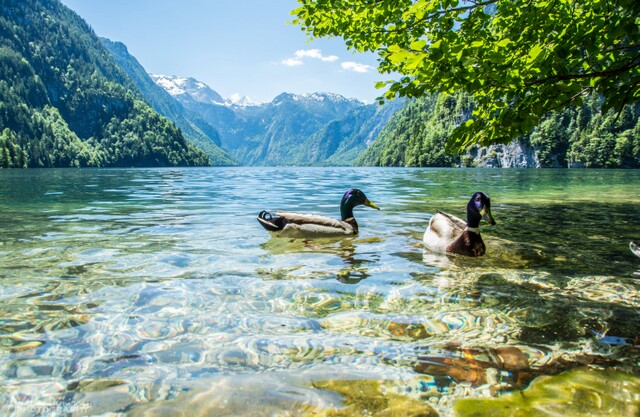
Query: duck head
[351, 199]
[479, 208]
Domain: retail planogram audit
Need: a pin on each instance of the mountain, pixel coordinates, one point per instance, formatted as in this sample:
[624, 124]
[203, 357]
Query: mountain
[289, 120]
[188, 88]
[341, 141]
[577, 136]
[261, 134]
[65, 102]
[197, 131]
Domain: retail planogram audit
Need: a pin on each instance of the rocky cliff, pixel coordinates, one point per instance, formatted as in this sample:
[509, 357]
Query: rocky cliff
[517, 154]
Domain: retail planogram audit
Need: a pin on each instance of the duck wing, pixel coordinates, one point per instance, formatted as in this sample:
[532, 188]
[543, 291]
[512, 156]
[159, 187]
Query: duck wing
[443, 229]
[450, 221]
[302, 218]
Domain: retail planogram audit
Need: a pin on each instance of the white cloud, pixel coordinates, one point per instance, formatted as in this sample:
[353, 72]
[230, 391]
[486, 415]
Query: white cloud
[315, 54]
[356, 67]
[292, 62]
[301, 54]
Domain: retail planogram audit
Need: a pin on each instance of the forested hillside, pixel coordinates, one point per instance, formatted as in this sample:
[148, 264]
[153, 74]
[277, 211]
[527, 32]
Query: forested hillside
[64, 102]
[196, 130]
[578, 136]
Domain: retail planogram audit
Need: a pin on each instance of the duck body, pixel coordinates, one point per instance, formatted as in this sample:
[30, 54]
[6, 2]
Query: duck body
[635, 248]
[447, 233]
[301, 225]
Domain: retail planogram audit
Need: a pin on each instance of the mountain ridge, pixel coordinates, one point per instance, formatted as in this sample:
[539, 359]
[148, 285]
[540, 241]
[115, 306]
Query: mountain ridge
[272, 133]
[190, 87]
[66, 103]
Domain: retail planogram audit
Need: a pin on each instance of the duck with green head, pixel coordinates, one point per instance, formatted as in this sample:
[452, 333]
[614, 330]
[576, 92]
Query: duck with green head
[450, 234]
[299, 225]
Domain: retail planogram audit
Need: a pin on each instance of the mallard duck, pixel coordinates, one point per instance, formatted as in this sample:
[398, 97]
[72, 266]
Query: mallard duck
[450, 234]
[300, 225]
[635, 248]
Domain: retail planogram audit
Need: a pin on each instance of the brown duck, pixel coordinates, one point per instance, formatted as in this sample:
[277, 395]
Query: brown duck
[449, 234]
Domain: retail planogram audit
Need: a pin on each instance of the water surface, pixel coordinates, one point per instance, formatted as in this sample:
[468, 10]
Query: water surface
[147, 290]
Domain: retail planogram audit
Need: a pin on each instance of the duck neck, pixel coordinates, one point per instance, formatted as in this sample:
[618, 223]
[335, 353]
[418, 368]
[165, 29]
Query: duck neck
[346, 211]
[473, 221]
[475, 230]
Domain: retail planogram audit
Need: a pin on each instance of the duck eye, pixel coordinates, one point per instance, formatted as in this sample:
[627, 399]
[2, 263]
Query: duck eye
[478, 198]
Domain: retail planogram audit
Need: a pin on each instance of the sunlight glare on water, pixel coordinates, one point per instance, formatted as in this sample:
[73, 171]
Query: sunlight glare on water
[151, 290]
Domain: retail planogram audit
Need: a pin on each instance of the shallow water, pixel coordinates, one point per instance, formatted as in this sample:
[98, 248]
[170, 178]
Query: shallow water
[138, 291]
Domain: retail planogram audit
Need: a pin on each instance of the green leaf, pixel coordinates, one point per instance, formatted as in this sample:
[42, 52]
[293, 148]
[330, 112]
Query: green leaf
[394, 48]
[534, 53]
[418, 45]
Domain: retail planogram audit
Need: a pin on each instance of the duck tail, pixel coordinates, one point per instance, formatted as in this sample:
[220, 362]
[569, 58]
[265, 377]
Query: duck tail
[269, 222]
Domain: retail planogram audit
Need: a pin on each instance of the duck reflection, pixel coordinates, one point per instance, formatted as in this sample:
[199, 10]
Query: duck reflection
[504, 254]
[355, 269]
[354, 266]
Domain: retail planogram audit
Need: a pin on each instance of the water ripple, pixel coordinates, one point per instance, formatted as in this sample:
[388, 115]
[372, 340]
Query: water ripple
[127, 288]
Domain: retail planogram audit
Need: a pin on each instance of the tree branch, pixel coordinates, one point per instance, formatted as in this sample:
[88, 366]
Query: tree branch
[597, 74]
[439, 13]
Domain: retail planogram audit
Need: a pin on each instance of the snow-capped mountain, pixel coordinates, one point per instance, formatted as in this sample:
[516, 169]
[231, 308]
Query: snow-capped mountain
[188, 88]
[240, 101]
[181, 86]
[316, 99]
[291, 129]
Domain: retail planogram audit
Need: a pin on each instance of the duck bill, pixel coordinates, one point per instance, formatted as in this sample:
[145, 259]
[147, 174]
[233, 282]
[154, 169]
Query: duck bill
[487, 216]
[370, 204]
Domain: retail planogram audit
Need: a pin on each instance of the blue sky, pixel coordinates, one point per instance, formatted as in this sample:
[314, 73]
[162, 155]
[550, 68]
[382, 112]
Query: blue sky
[240, 47]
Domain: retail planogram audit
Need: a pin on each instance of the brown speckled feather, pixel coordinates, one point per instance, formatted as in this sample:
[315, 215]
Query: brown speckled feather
[446, 233]
[468, 244]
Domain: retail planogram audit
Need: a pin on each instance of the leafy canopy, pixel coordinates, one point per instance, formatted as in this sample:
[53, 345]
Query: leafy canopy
[517, 59]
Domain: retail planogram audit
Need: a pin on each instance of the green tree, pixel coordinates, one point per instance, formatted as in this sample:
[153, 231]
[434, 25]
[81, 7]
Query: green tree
[65, 103]
[11, 154]
[517, 59]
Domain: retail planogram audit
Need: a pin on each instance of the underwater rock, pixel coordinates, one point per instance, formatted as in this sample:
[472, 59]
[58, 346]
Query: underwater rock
[251, 396]
[101, 396]
[576, 393]
[504, 368]
[365, 397]
[95, 385]
[559, 330]
[408, 330]
[471, 364]
[246, 395]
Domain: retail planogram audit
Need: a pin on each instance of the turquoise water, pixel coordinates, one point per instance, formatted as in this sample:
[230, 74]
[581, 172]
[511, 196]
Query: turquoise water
[123, 290]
